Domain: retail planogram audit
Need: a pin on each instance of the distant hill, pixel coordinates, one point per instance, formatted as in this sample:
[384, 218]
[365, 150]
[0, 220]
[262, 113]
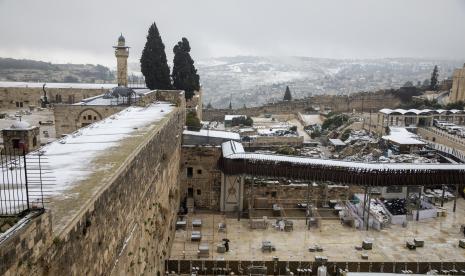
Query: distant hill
[39, 71]
[255, 80]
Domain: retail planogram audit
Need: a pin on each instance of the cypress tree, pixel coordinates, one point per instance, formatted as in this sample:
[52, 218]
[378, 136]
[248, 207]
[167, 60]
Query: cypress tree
[184, 75]
[287, 94]
[153, 63]
[434, 79]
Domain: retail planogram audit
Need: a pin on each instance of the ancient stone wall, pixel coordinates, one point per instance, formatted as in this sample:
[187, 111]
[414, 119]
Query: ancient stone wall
[69, 118]
[275, 141]
[127, 227]
[10, 96]
[203, 177]
[359, 102]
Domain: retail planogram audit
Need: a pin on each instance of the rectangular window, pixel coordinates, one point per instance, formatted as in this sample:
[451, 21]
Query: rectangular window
[190, 171]
[199, 171]
[199, 192]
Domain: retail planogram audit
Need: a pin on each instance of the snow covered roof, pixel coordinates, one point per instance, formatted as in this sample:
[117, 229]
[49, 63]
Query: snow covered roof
[235, 150]
[400, 111]
[20, 125]
[214, 133]
[57, 85]
[402, 136]
[337, 142]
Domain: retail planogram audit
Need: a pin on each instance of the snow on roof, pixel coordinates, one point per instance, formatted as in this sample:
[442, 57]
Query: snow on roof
[419, 112]
[337, 142]
[20, 125]
[402, 136]
[235, 150]
[57, 85]
[230, 117]
[71, 158]
[214, 133]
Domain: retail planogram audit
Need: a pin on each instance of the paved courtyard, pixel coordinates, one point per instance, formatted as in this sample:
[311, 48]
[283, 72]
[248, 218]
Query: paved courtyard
[441, 236]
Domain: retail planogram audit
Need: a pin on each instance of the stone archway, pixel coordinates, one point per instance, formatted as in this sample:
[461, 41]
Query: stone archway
[88, 116]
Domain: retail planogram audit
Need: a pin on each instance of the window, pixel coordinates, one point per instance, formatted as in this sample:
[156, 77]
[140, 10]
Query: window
[34, 141]
[273, 194]
[95, 118]
[15, 143]
[83, 117]
[199, 192]
[199, 171]
[190, 171]
[17, 104]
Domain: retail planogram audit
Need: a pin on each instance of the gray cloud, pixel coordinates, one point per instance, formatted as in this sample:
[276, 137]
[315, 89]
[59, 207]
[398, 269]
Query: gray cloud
[84, 31]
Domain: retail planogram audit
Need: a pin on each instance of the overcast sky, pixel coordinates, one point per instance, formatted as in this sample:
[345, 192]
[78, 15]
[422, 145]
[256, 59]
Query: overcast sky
[83, 31]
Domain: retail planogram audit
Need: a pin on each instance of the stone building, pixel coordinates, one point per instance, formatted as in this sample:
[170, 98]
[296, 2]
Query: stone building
[458, 85]
[21, 136]
[122, 54]
[413, 118]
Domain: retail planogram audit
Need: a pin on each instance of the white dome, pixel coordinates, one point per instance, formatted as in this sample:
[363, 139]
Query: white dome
[20, 125]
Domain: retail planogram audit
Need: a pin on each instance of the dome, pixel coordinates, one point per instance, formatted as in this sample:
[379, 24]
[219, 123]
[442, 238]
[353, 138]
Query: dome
[20, 125]
[121, 91]
[121, 39]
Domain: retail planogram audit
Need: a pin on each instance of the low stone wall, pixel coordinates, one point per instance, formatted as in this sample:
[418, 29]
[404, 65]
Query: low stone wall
[31, 96]
[275, 141]
[128, 226]
[360, 102]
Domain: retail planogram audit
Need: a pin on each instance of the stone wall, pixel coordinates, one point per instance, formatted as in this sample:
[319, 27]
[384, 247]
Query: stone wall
[32, 236]
[275, 141]
[69, 118]
[205, 180]
[359, 102]
[127, 227]
[9, 96]
[29, 139]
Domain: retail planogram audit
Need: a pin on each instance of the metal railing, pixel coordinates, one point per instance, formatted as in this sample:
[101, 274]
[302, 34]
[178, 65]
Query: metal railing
[21, 182]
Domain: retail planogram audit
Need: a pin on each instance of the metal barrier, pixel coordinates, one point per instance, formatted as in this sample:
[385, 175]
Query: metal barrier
[21, 182]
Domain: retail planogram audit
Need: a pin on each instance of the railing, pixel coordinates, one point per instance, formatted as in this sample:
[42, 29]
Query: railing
[21, 182]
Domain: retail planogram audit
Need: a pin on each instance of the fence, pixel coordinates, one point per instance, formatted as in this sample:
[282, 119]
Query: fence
[21, 182]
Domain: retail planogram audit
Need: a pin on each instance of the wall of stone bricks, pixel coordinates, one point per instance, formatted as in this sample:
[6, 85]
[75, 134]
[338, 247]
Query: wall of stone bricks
[359, 102]
[68, 118]
[206, 185]
[128, 227]
[31, 96]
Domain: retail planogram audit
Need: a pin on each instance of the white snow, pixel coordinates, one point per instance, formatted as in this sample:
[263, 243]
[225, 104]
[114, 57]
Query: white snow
[235, 150]
[419, 112]
[214, 133]
[402, 136]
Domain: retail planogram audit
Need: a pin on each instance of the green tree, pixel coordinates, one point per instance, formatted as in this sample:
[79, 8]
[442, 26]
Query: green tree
[209, 105]
[192, 122]
[153, 63]
[434, 79]
[287, 94]
[184, 75]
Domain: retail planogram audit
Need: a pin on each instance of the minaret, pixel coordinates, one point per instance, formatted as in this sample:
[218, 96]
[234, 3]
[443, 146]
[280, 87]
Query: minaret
[122, 53]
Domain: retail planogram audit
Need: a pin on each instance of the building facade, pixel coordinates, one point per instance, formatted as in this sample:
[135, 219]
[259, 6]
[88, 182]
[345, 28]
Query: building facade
[458, 85]
[416, 118]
